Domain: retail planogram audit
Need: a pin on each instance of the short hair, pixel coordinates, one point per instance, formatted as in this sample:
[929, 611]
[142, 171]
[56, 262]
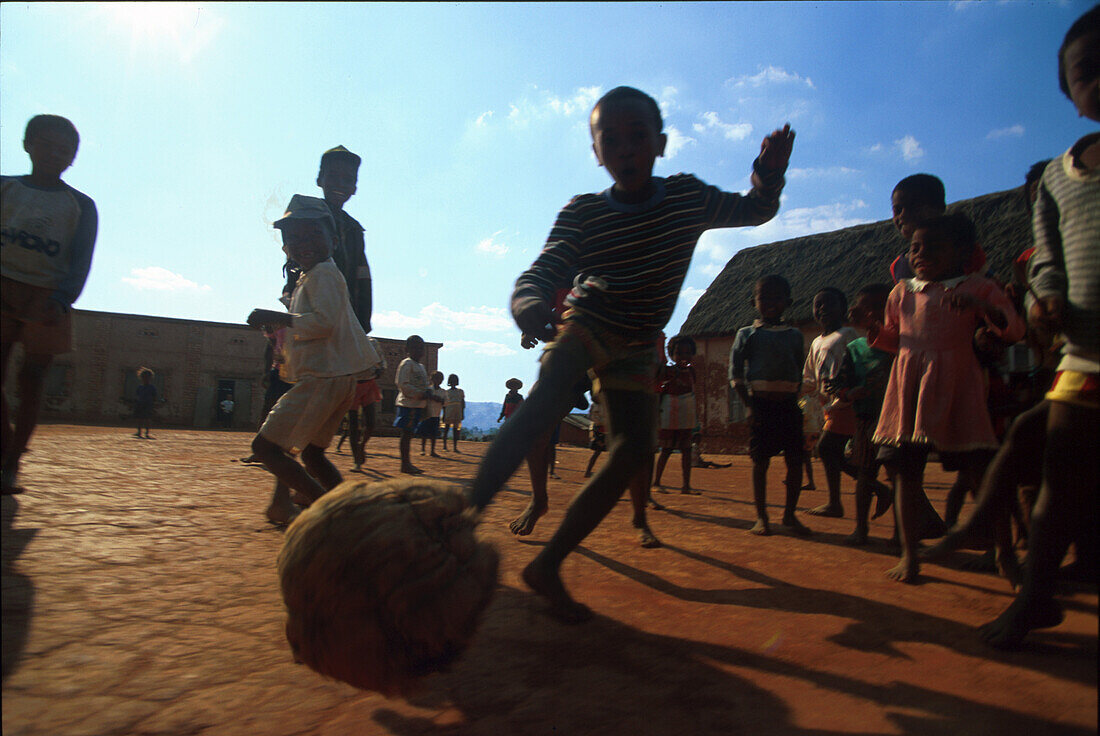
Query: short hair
[41, 123]
[927, 187]
[631, 93]
[956, 227]
[1087, 23]
[674, 344]
[776, 281]
[875, 290]
[143, 371]
[437, 373]
[837, 294]
[452, 380]
[413, 339]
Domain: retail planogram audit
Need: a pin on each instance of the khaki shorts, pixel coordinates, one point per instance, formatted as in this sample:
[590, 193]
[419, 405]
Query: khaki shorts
[21, 306]
[309, 413]
[618, 362]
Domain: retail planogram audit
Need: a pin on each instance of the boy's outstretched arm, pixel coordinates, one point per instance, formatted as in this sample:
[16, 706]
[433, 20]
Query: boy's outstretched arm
[775, 149]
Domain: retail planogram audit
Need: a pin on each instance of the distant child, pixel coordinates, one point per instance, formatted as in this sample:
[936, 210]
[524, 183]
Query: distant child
[145, 399]
[935, 397]
[454, 411]
[364, 409]
[428, 429]
[326, 353]
[676, 386]
[626, 252]
[813, 419]
[512, 399]
[765, 369]
[48, 232]
[823, 363]
[1065, 274]
[412, 398]
[862, 381]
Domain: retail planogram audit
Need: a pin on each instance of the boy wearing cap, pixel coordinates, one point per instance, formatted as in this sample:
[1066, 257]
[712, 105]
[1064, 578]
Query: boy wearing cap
[327, 351]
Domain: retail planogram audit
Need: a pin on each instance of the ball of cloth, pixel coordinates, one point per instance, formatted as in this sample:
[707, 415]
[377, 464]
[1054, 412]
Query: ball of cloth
[385, 582]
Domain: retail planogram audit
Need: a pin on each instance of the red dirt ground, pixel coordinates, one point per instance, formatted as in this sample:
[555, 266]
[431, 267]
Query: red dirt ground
[140, 597]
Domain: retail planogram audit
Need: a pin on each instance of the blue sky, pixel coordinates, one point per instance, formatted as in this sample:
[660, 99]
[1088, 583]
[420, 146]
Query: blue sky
[198, 121]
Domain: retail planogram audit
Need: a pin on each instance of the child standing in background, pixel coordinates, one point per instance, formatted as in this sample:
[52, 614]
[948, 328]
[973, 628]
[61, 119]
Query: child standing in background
[412, 398]
[428, 429]
[512, 399]
[454, 411]
[765, 370]
[144, 400]
[813, 419]
[676, 385]
[823, 363]
[935, 398]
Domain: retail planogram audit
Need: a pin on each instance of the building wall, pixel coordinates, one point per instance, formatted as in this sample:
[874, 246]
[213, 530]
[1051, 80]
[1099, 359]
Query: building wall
[192, 360]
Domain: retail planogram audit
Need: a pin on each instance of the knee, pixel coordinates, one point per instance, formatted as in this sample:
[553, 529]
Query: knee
[264, 448]
[313, 454]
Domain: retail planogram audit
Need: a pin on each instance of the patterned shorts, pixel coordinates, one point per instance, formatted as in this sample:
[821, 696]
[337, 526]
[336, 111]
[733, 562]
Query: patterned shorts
[1074, 387]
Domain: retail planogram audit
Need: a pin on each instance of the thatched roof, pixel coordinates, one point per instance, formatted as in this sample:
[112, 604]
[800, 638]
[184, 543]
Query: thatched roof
[847, 259]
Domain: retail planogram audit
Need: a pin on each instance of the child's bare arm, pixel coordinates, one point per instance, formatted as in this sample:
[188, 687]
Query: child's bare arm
[775, 149]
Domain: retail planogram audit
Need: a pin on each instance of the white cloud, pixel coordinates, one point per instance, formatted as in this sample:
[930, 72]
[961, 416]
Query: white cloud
[676, 141]
[483, 119]
[492, 349]
[732, 131]
[1013, 131]
[666, 100]
[155, 278]
[690, 294]
[396, 320]
[546, 105]
[799, 221]
[770, 75]
[486, 319]
[830, 172]
[177, 29]
[910, 148]
[712, 269]
[491, 246]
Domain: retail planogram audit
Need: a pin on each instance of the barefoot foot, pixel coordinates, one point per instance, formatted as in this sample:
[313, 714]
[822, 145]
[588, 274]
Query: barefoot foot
[858, 538]
[547, 583]
[690, 492]
[524, 524]
[793, 525]
[906, 571]
[809, 487]
[829, 510]
[646, 537]
[411, 470]
[655, 505]
[1009, 629]
[761, 528]
[281, 514]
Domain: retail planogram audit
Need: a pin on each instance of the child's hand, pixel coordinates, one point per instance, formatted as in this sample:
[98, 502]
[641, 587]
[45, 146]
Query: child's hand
[1047, 314]
[535, 318]
[261, 318]
[775, 150]
[527, 342]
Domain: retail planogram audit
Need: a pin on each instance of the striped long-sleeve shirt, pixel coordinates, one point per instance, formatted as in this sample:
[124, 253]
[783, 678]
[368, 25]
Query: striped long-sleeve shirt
[1067, 251]
[628, 261]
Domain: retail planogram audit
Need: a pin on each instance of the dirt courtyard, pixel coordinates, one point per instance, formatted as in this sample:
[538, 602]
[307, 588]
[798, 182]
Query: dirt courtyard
[140, 597]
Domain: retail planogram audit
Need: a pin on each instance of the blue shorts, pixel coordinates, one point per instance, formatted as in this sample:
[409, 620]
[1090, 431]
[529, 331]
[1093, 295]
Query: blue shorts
[407, 418]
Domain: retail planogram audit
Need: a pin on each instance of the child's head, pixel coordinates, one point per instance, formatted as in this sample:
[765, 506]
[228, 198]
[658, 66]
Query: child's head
[1031, 182]
[414, 347]
[452, 380]
[681, 349]
[513, 384]
[338, 175]
[51, 142]
[869, 306]
[145, 375]
[830, 305]
[916, 197]
[771, 296]
[1079, 64]
[941, 246]
[626, 133]
[308, 231]
[437, 379]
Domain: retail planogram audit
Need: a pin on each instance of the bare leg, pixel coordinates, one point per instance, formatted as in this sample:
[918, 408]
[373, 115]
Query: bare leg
[685, 466]
[662, 460]
[537, 467]
[810, 485]
[405, 445]
[319, 466]
[831, 449]
[354, 437]
[286, 470]
[910, 486]
[794, 490]
[639, 497]
[591, 463]
[863, 509]
[367, 430]
[31, 381]
[760, 496]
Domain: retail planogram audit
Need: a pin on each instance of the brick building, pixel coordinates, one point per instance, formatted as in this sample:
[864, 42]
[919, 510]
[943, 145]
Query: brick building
[197, 364]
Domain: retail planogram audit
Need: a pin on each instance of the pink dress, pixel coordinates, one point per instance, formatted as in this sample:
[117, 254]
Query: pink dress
[936, 393]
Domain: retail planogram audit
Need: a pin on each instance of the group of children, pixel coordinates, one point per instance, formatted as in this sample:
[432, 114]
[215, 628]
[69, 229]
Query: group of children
[914, 385]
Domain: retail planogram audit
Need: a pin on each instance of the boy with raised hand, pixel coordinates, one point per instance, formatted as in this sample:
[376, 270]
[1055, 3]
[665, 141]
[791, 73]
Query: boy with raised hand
[626, 252]
[765, 369]
[326, 353]
[47, 230]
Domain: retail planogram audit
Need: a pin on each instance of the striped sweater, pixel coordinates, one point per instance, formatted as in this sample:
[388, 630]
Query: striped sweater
[1067, 251]
[627, 262]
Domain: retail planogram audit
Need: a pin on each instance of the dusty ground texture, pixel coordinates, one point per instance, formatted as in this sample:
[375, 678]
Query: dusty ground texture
[140, 597]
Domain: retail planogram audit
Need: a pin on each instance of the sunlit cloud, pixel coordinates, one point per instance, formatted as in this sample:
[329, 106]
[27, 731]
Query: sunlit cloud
[483, 119]
[543, 105]
[676, 141]
[770, 75]
[491, 246]
[1013, 131]
[155, 278]
[397, 321]
[484, 319]
[666, 100]
[178, 28]
[828, 172]
[690, 294]
[909, 147]
[491, 349]
[732, 131]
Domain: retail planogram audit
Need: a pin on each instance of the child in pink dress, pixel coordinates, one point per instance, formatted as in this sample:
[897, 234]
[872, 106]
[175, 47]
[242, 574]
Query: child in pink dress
[935, 398]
